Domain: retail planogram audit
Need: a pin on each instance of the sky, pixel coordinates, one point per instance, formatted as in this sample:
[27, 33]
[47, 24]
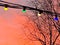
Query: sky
[12, 26]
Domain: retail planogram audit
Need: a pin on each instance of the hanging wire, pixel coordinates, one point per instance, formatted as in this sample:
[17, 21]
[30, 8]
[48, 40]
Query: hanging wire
[18, 6]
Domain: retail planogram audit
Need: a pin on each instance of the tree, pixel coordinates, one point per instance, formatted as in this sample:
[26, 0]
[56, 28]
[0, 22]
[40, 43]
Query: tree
[44, 26]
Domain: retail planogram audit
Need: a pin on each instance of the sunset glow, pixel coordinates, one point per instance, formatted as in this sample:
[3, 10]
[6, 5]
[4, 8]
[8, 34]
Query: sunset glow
[28, 27]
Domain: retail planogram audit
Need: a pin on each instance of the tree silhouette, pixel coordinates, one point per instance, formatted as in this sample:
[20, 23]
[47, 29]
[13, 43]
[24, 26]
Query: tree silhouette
[45, 28]
[42, 28]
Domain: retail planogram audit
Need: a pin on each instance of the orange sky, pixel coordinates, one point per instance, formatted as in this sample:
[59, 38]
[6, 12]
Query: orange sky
[11, 28]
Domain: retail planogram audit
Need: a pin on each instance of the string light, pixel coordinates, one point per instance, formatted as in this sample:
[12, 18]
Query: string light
[5, 8]
[18, 6]
[56, 18]
[39, 13]
[24, 9]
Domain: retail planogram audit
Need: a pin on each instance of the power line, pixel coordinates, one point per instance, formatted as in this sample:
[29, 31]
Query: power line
[18, 6]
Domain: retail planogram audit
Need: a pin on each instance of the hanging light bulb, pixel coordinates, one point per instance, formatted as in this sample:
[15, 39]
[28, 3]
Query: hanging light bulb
[56, 18]
[24, 9]
[5, 8]
[39, 13]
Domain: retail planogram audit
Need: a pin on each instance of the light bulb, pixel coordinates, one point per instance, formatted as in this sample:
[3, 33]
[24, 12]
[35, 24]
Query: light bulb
[5, 8]
[24, 9]
[39, 14]
[56, 18]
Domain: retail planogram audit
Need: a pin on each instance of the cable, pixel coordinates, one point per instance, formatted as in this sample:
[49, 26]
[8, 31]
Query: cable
[3, 5]
[18, 6]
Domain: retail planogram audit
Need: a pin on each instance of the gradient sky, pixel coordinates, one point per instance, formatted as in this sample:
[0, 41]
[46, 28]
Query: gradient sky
[12, 26]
